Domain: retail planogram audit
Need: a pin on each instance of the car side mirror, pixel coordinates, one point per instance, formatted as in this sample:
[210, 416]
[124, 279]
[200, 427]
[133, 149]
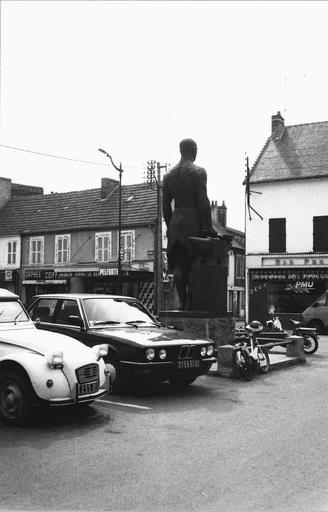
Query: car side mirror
[75, 320]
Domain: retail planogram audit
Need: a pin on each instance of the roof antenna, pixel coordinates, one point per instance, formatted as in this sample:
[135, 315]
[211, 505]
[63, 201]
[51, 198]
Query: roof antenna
[285, 94]
[248, 193]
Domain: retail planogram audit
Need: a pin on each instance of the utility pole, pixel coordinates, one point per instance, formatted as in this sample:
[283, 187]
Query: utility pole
[119, 255]
[154, 180]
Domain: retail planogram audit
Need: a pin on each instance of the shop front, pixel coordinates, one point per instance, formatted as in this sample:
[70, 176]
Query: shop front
[138, 284]
[285, 290]
[39, 281]
[9, 280]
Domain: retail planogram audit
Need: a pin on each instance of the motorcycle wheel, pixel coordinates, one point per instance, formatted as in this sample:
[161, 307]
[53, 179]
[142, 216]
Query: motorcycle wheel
[242, 365]
[263, 361]
[310, 344]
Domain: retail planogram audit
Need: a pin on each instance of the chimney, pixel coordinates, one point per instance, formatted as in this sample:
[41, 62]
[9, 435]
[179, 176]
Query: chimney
[5, 191]
[108, 186]
[219, 214]
[222, 215]
[18, 190]
[277, 126]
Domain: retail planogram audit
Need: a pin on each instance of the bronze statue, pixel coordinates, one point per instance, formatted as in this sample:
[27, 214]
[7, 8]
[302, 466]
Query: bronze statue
[187, 213]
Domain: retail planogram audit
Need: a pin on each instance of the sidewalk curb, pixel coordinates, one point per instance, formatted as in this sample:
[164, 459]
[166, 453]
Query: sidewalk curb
[277, 362]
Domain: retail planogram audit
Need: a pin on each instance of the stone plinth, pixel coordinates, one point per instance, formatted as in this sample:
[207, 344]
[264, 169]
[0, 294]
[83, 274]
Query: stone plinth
[207, 290]
[202, 323]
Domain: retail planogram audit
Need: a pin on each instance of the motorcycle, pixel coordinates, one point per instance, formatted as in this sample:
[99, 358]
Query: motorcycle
[249, 357]
[309, 334]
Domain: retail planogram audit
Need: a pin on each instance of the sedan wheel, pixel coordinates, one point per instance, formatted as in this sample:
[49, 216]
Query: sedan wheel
[15, 398]
[116, 375]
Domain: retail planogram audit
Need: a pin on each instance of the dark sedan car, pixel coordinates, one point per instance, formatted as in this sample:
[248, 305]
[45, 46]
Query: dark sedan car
[138, 344]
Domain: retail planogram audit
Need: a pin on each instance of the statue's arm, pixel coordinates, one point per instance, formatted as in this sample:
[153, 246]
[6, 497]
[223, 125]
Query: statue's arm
[203, 202]
[167, 200]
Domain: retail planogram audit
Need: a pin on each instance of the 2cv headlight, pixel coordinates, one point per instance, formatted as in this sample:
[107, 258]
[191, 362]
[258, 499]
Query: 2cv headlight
[56, 360]
[100, 351]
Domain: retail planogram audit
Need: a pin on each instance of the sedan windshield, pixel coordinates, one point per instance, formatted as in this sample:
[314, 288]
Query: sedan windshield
[102, 311]
[12, 311]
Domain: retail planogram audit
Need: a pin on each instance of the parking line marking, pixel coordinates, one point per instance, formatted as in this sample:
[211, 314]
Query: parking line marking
[124, 405]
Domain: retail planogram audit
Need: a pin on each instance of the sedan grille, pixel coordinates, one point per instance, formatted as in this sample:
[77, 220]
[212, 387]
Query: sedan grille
[87, 373]
[187, 352]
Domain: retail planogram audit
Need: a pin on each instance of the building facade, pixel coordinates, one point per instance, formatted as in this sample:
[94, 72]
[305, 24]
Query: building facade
[236, 261]
[68, 242]
[287, 249]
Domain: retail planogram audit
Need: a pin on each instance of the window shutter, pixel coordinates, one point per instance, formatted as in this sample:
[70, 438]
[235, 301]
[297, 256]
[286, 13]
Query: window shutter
[320, 234]
[277, 235]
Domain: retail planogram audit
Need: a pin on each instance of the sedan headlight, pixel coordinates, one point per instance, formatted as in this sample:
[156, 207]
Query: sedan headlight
[56, 360]
[100, 351]
[203, 351]
[150, 354]
[162, 353]
[210, 350]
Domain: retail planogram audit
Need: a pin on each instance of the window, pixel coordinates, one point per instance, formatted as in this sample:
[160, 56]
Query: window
[320, 234]
[103, 247]
[12, 253]
[36, 250]
[277, 235]
[43, 310]
[127, 246]
[230, 301]
[240, 266]
[67, 309]
[63, 248]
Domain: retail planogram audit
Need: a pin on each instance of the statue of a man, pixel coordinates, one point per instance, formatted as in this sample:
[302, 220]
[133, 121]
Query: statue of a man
[187, 213]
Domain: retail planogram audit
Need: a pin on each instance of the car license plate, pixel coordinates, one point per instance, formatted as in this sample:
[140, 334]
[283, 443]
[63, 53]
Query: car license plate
[88, 387]
[189, 363]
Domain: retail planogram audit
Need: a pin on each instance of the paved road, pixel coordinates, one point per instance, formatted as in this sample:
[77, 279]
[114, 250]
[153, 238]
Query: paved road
[221, 445]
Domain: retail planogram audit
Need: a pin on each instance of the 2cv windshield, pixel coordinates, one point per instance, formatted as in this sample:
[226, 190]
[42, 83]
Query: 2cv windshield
[12, 311]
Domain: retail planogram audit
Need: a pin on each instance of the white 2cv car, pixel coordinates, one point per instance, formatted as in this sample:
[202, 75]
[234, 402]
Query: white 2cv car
[43, 368]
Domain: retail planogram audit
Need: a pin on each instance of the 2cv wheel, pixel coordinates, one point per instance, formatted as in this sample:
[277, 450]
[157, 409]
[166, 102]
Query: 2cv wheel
[15, 398]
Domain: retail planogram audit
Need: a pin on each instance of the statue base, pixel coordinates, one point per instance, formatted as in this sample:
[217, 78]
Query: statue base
[203, 323]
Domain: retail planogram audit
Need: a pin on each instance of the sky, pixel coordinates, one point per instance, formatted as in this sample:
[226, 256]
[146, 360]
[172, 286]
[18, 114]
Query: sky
[135, 78]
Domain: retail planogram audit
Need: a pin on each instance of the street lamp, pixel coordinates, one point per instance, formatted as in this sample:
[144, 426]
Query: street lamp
[120, 170]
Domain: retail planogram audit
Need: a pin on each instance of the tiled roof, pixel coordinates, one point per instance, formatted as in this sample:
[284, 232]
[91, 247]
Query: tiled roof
[301, 152]
[81, 210]
[237, 235]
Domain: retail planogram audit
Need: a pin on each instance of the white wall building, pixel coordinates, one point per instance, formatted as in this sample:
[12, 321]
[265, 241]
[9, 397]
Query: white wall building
[287, 251]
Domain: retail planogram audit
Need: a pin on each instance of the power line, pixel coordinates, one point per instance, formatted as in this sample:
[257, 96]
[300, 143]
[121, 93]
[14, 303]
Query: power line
[53, 156]
[90, 162]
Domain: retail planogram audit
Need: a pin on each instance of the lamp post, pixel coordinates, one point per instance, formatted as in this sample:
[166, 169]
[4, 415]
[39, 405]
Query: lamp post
[120, 170]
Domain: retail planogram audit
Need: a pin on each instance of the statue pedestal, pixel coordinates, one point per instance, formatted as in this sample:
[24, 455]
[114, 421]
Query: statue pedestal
[205, 324]
[206, 309]
[208, 277]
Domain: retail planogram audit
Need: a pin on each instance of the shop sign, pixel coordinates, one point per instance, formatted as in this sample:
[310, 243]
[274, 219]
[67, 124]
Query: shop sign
[301, 287]
[297, 261]
[304, 275]
[108, 271]
[8, 275]
[35, 274]
[44, 275]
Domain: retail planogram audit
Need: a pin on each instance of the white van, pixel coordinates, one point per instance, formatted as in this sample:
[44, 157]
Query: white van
[316, 315]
